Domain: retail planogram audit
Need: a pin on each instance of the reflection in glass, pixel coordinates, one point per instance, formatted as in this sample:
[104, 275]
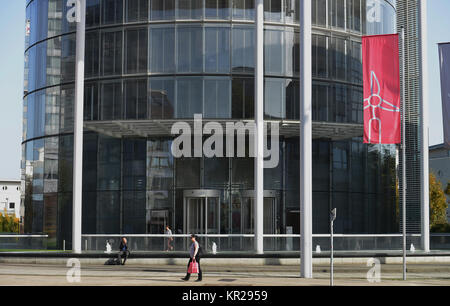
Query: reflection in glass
[243, 49]
[190, 49]
[243, 98]
[136, 50]
[135, 99]
[162, 9]
[162, 98]
[136, 10]
[111, 53]
[217, 98]
[162, 49]
[111, 101]
[274, 62]
[217, 9]
[189, 97]
[190, 9]
[244, 9]
[217, 49]
[112, 11]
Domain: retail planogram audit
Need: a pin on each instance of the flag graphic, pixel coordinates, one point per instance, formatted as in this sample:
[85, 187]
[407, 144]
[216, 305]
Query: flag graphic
[381, 81]
[444, 63]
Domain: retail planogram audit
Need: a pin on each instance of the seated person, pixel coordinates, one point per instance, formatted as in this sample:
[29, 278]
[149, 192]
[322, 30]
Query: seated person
[123, 251]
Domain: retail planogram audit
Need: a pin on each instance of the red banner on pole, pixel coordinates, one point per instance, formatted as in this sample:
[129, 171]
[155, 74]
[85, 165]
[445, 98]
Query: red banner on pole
[381, 80]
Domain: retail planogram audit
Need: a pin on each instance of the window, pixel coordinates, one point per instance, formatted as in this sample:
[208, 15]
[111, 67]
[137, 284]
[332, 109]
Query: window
[336, 13]
[217, 9]
[319, 12]
[292, 100]
[12, 205]
[217, 49]
[189, 97]
[92, 13]
[190, 49]
[292, 52]
[162, 49]
[244, 9]
[243, 98]
[243, 49]
[91, 67]
[112, 11]
[162, 9]
[337, 59]
[136, 50]
[135, 99]
[111, 53]
[111, 101]
[274, 97]
[217, 98]
[190, 9]
[272, 10]
[274, 52]
[292, 12]
[162, 98]
[137, 10]
[91, 101]
[319, 55]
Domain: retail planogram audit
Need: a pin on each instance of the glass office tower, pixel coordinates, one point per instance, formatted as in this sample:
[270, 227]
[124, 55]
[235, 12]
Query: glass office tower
[151, 63]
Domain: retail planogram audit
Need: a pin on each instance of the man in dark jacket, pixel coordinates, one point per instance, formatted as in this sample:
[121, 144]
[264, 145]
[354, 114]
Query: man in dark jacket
[123, 251]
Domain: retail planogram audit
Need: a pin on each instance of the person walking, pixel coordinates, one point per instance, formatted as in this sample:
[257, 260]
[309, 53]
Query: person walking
[123, 251]
[194, 254]
[169, 239]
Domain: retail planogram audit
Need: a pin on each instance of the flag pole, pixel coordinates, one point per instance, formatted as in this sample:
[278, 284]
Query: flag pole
[403, 154]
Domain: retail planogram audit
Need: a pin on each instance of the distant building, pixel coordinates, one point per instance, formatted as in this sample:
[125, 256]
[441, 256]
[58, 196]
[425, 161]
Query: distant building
[10, 195]
[440, 166]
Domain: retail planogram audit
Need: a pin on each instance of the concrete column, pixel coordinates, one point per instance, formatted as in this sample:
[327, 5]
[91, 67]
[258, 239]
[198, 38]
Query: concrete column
[424, 128]
[259, 133]
[305, 139]
[78, 129]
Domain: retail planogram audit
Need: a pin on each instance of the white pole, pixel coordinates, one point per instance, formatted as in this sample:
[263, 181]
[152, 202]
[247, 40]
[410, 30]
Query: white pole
[305, 140]
[424, 127]
[403, 155]
[259, 120]
[78, 129]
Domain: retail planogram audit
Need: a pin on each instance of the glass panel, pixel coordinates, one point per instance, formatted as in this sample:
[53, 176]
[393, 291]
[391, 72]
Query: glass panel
[292, 53]
[112, 53]
[160, 168]
[162, 49]
[91, 102]
[217, 9]
[162, 9]
[217, 49]
[243, 49]
[92, 54]
[162, 98]
[111, 101]
[274, 52]
[244, 9]
[337, 13]
[112, 11]
[189, 97]
[136, 50]
[217, 98]
[188, 172]
[274, 98]
[319, 55]
[213, 216]
[292, 100]
[243, 98]
[195, 216]
[190, 49]
[190, 9]
[135, 99]
[272, 10]
[137, 10]
[92, 13]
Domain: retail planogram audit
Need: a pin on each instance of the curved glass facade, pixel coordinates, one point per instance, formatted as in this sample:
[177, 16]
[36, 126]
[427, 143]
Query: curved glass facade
[150, 63]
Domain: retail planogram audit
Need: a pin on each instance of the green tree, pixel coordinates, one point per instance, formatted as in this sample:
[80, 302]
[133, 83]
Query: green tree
[438, 203]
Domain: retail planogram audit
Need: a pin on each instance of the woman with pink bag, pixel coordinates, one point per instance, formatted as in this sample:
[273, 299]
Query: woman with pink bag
[194, 260]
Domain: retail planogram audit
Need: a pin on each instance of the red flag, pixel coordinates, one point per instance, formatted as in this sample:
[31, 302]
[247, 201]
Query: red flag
[381, 79]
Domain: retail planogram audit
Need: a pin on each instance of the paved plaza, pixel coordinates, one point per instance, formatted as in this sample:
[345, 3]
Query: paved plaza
[12, 274]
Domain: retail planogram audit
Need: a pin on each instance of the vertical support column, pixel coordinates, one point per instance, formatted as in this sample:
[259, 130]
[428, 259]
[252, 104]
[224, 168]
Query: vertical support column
[305, 139]
[78, 128]
[259, 120]
[424, 127]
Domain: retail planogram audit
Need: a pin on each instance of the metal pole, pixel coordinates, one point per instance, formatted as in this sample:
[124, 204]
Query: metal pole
[332, 218]
[259, 133]
[403, 155]
[78, 128]
[305, 140]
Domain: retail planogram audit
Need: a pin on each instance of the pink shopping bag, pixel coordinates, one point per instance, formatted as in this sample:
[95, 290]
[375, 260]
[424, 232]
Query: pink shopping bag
[193, 267]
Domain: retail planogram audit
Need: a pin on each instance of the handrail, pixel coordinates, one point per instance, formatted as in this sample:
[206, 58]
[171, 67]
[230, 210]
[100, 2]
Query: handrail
[23, 236]
[247, 235]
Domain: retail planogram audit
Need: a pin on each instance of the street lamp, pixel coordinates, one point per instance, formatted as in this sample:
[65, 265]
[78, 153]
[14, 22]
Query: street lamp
[332, 218]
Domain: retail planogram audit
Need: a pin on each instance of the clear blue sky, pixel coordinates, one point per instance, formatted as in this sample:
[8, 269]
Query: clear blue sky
[12, 37]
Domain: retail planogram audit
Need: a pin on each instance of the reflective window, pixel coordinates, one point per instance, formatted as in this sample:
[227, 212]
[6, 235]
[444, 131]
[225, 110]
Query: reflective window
[355, 63]
[137, 10]
[292, 100]
[292, 11]
[160, 164]
[162, 98]
[336, 13]
[162, 9]
[243, 98]
[136, 50]
[274, 62]
[243, 40]
[91, 101]
[274, 97]
[217, 98]
[189, 97]
[67, 111]
[320, 99]
[112, 11]
[273, 10]
[356, 106]
[92, 52]
[111, 101]
[217, 49]
[135, 99]
[319, 56]
[92, 13]
[292, 52]
[68, 51]
[338, 103]
[162, 49]
[111, 53]
[319, 12]
[190, 9]
[190, 49]
[53, 68]
[52, 100]
[337, 58]
[244, 9]
[217, 9]
[354, 15]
